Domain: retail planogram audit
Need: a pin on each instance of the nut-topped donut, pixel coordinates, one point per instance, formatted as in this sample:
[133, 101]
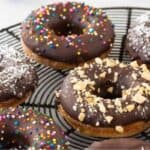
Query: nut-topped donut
[107, 98]
[28, 129]
[18, 78]
[65, 35]
[138, 39]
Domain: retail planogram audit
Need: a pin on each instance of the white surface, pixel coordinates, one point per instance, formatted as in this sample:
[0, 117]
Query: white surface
[14, 11]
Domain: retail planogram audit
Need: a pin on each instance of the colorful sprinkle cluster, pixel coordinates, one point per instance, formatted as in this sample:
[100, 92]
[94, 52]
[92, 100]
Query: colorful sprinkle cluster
[38, 131]
[42, 26]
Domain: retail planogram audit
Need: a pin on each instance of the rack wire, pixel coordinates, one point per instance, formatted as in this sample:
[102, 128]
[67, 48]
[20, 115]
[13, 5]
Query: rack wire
[50, 80]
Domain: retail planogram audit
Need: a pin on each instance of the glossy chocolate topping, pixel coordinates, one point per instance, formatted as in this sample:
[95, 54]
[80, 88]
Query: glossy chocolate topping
[71, 32]
[107, 93]
[25, 129]
[17, 76]
[120, 144]
[138, 39]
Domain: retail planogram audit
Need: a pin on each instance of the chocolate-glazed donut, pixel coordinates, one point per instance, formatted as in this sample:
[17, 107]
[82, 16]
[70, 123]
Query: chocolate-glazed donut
[120, 144]
[65, 35]
[18, 78]
[138, 39]
[28, 129]
[107, 98]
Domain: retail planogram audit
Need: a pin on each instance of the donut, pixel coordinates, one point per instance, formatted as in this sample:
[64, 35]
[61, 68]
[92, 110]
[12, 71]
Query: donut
[106, 98]
[18, 78]
[28, 129]
[120, 144]
[66, 35]
[138, 39]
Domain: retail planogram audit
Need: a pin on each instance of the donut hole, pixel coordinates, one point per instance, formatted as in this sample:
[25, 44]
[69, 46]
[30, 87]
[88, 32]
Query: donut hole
[108, 90]
[10, 140]
[65, 28]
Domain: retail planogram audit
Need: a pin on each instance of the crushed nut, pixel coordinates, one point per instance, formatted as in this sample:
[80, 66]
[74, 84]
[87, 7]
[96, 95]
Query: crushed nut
[73, 80]
[115, 76]
[86, 65]
[144, 68]
[134, 76]
[98, 61]
[130, 107]
[102, 75]
[138, 98]
[110, 106]
[57, 93]
[109, 119]
[110, 89]
[109, 70]
[95, 76]
[117, 102]
[102, 107]
[97, 123]
[82, 110]
[80, 85]
[111, 63]
[134, 64]
[98, 90]
[81, 116]
[146, 75]
[74, 107]
[122, 65]
[119, 129]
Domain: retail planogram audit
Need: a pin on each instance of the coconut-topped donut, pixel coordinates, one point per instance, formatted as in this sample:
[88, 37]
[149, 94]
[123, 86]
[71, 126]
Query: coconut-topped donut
[18, 78]
[65, 35]
[28, 129]
[138, 39]
[107, 98]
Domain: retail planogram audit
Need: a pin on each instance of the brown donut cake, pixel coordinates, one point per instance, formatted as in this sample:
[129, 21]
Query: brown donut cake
[120, 144]
[66, 35]
[18, 78]
[138, 39]
[28, 129]
[107, 98]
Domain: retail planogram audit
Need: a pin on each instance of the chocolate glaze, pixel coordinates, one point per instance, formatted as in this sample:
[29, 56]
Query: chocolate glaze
[25, 128]
[138, 39]
[91, 32]
[17, 76]
[120, 144]
[127, 108]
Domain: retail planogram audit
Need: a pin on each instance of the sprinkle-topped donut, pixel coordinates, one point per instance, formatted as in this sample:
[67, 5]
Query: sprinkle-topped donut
[17, 77]
[27, 129]
[107, 98]
[68, 34]
[138, 39]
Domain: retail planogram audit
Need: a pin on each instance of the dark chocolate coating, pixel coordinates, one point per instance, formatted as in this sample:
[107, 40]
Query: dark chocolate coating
[17, 75]
[71, 32]
[138, 39]
[25, 128]
[120, 144]
[122, 108]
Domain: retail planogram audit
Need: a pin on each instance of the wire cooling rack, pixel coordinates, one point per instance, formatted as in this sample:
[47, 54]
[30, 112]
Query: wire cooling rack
[50, 80]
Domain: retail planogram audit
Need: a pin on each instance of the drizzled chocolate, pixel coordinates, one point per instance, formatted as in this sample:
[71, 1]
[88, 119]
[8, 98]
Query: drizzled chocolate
[71, 32]
[17, 76]
[28, 129]
[107, 93]
[138, 39]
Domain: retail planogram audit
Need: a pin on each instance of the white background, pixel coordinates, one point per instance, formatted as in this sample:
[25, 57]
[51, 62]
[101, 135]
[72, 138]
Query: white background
[14, 11]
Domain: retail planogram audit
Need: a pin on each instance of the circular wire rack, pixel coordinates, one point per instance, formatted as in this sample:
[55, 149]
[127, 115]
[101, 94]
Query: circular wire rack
[43, 99]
